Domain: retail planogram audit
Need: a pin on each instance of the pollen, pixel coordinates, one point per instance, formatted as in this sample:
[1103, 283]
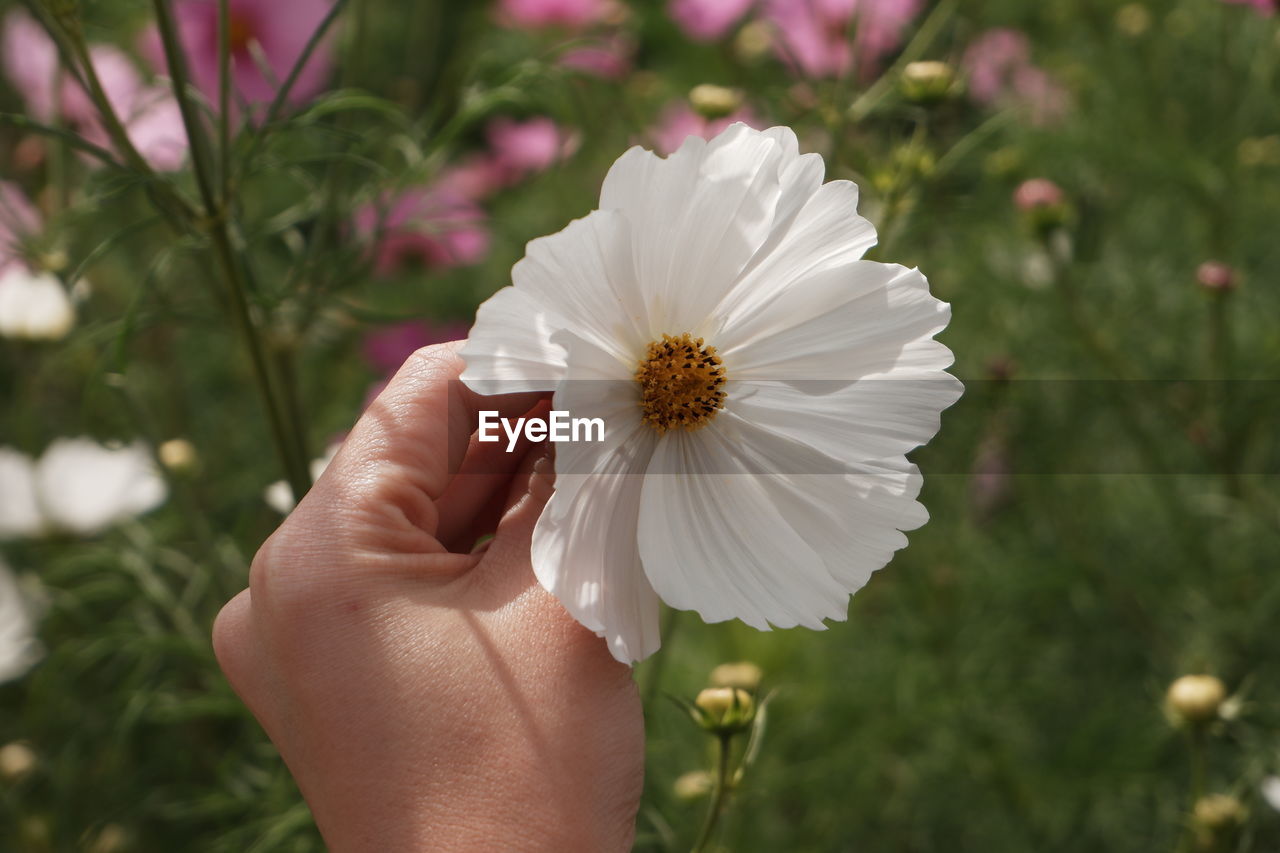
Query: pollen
[681, 383]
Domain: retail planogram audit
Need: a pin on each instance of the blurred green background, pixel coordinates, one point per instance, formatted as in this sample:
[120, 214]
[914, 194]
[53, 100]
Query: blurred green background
[1104, 500]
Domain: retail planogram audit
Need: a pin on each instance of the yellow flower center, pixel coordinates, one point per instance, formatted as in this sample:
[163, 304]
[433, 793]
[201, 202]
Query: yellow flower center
[681, 383]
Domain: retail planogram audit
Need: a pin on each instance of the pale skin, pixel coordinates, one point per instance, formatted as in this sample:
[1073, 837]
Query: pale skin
[425, 697]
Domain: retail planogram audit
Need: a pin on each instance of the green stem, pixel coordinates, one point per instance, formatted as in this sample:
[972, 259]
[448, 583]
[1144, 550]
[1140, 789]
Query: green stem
[1225, 438]
[719, 795]
[290, 443]
[115, 127]
[282, 94]
[224, 99]
[654, 681]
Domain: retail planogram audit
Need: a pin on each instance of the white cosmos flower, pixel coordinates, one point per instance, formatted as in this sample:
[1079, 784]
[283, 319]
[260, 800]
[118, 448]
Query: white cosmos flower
[19, 649]
[34, 306]
[758, 381]
[78, 486]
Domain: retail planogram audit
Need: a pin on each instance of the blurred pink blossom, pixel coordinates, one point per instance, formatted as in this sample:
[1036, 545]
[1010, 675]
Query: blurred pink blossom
[30, 61]
[608, 57]
[815, 34]
[148, 110]
[388, 347]
[1036, 193]
[678, 122]
[571, 14]
[435, 226]
[523, 148]
[19, 219]
[476, 176]
[991, 61]
[999, 68]
[263, 32]
[1266, 8]
[707, 20]
[1215, 275]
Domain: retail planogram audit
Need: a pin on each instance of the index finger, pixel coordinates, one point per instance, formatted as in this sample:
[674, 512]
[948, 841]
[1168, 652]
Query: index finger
[412, 439]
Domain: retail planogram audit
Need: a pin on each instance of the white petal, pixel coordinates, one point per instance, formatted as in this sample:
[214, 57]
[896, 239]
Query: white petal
[827, 232]
[851, 514]
[882, 328]
[279, 496]
[697, 218]
[583, 277]
[19, 649]
[584, 546]
[712, 539]
[19, 510]
[509, 348]
[85, 487]
[864, 420]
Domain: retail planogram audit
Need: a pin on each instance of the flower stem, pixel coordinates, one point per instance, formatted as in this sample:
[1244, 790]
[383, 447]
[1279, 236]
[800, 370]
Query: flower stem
[719, 794]
[286, 431]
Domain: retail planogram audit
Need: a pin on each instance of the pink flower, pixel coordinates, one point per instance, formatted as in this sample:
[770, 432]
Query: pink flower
[678, 122]
[148, 111]
[1265, 8]
[608, 57]
[433, 226]
[1215, 275]
[815, 34]
[1037, 193]
[30, 61]
[523, 148]
[388, 347]
[999, 68]
[571, 14]
[270, 32]
[475, 177]
[707, 20]
[19, 219]
[991, 61]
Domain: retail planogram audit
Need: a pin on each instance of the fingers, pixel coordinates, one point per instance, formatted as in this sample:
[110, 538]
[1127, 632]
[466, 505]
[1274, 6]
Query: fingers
[402, 455]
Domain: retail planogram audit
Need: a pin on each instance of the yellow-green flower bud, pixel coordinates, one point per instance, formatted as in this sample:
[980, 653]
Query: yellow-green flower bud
[178, 455]
[712, 102]
[725, 710]
[754, 41]
[926, 82]
[1196, 698]
[16, 761]
[1219, 811]
[693, 785]
[743, 674]
[1133, 20]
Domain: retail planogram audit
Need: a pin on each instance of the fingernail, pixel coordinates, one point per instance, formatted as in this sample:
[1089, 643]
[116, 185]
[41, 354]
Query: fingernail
[543, 479]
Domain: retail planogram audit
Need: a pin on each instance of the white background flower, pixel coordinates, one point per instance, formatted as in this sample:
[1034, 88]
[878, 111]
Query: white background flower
[279, 496]
[19, 649]
[784, 500]
[78, 486]
[34, 306]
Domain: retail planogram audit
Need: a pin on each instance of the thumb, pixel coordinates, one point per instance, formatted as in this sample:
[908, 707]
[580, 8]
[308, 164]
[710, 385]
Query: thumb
[531, 488]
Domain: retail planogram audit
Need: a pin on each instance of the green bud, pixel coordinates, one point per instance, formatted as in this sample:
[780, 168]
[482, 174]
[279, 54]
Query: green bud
[724, 710]
[927, 82]
[712, 102]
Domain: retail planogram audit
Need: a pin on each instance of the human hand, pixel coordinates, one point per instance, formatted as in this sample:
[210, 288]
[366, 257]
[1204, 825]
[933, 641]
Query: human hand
[426, 697]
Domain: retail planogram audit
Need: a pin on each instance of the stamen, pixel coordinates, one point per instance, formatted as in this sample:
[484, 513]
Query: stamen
[681, 383]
